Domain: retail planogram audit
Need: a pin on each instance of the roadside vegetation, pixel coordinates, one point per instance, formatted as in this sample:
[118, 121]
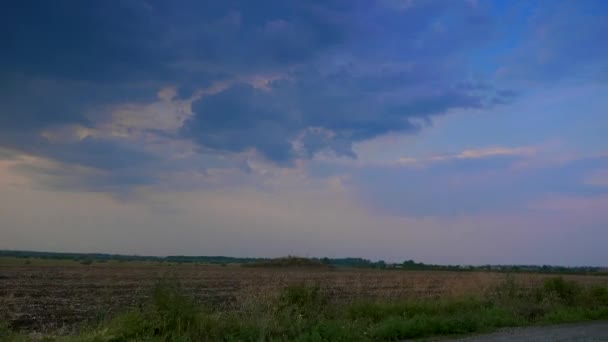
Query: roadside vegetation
[307, 313]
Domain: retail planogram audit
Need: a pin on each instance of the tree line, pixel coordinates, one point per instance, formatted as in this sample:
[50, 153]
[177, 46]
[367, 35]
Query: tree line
[295, 261]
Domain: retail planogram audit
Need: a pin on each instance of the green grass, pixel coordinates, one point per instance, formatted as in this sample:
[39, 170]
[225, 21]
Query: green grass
[307, 313]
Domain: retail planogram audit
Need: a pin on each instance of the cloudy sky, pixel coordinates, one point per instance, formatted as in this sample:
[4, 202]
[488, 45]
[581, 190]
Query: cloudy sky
[462, 132]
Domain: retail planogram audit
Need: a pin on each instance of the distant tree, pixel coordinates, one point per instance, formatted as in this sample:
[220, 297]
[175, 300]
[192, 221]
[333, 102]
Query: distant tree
[86, 261]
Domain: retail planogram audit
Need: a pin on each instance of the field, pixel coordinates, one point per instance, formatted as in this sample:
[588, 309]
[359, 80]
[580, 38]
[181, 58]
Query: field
[46, 295]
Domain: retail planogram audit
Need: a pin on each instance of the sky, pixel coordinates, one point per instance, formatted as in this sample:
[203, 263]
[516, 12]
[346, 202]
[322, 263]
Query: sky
[452, 132]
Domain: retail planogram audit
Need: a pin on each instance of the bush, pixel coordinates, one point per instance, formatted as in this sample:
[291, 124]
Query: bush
[5, 330]
[530, 311]
[289, 261]
[131, 325]
[177, 314]
[567, 292]
[508, 291]
[303, 296]
[423, 326]
[170, 317]
[302, 301]
[599, 295]
[86, 261]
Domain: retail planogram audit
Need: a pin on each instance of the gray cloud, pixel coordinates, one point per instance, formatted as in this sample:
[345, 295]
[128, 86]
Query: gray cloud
[353, 70]
[242, 117]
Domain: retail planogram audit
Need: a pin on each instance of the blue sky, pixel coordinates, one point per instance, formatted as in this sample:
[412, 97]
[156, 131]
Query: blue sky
[464, 132]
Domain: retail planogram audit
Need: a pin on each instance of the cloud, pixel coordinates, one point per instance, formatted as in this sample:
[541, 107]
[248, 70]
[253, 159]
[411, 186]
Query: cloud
[340, 102]
[562, 42]
[480, 153]
[75, 41]
[6, 154]
[471, 183]
[256, 79]
[152, 40]
[597, 177]
[56, 119]
[152, 84]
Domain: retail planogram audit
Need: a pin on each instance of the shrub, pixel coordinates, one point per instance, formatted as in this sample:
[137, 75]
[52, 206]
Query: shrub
[530, 311]
[289, 261]
[176, 312]
[131, 325]
[330, 331]
[599, 295]
[86, 261]
[423, 326]
[5, 330]
[302, 295]
[566, 291]
[508, 291]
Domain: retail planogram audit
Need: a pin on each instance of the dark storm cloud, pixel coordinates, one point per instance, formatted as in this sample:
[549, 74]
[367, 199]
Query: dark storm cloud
[30, 103]
[350, 70]
[148, 40]
[83, 40]
[242, 116]
[63, 60]
[385, 67]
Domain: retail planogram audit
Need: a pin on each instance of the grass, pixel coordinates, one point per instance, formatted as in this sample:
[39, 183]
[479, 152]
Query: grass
[307, 313]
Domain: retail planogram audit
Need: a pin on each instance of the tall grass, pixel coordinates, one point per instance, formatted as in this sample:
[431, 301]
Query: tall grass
[308, 313]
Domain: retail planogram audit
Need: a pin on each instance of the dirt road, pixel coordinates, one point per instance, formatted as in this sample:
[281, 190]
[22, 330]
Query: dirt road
[594, 331]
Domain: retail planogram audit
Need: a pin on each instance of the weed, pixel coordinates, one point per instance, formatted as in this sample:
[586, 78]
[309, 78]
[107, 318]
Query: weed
[4, 330]
[305, 313]
[599, 295]
[566, 291]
